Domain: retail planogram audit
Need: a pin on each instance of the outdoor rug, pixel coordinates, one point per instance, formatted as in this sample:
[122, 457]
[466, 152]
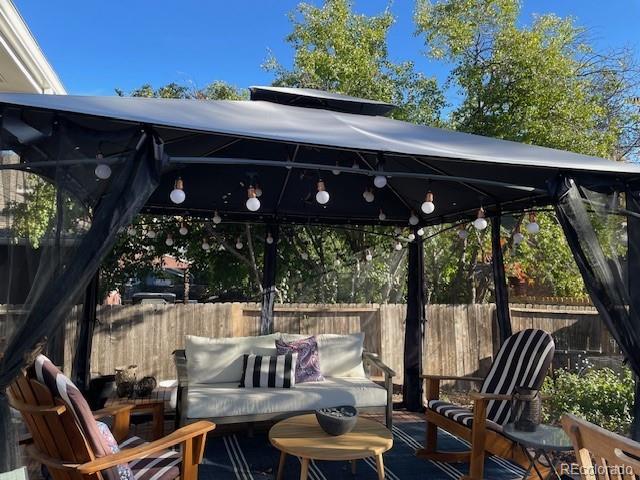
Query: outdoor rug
[239, 457]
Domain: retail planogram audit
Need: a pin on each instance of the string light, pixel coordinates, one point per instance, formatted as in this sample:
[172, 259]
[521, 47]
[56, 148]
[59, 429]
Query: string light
[411, 237]
[397, 230]
[183, 230]
[428, 206]
[253, 204]
[518, 237]
[420, 232]
[533, 227]
[356, 165]
[380, 181]
[169, 241]
[463, 233]
[151, 234]
[269, 238]
[480, 223]
[368, 195]
[205, 245]
[304, 256]
[216, 217]
[368, 257]
[398, 245]
[177, 195]
[322, 197]
[102, 171]
[335, 171]
[239, 244]
[132, 232]
[382, 216]
[413, 219]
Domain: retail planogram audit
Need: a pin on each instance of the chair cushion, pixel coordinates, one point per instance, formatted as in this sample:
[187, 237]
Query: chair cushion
[227, 400]
[124, 471]
[275, 371]
[219, 360]
[522, 361]
[461, 415]
[61, 387]
[308, 364]
[164, 465]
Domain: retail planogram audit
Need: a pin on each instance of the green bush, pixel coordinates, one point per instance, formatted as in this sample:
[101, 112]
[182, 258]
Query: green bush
[600, 396]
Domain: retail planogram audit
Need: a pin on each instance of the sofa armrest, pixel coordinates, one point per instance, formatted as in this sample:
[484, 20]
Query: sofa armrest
[369, 358]
[375, 360]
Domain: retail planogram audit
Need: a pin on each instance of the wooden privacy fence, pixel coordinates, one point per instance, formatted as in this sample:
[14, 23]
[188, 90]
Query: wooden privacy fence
[460, 339]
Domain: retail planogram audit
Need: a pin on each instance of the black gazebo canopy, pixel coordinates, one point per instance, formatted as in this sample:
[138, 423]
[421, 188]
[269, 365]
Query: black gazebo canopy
[290, 143]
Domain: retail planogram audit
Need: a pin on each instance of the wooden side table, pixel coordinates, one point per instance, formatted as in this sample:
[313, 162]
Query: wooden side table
[156, 404]
[302, 437]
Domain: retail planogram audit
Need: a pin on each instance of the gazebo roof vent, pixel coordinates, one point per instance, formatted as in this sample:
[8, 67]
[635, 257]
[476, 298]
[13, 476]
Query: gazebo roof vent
[312, 98]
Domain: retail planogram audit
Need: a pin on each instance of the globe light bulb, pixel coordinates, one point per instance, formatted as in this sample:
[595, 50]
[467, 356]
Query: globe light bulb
[397, 230]
[413, 219]
[368, 257]
[380, 181]
[169, 241]
[205, 246]
[480, 223]
[335, 171]
[239, 244]
[518, 238]
[183, 230]
[382, 216]
[151, 234]
[398, 246]
[269, 238]
[216, 218]
[132, 232]
[322, 197]
[420, 232]
[304, 256]
[337, 262]
[177, 195]
[368, 196]
[102, 171]
[253, 204]
[463, 233]
[428, 206]
[411, 237]
[533, 227]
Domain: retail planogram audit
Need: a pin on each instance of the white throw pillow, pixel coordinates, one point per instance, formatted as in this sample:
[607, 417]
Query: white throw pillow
[219, 360]
[341, 355]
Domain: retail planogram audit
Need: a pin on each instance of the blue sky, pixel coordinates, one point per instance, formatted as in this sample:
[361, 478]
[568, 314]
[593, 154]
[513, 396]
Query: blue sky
[97, 46]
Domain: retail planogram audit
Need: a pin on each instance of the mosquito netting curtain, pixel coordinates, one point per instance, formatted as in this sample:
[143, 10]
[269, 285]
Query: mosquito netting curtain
[58, 220]
[602, 228]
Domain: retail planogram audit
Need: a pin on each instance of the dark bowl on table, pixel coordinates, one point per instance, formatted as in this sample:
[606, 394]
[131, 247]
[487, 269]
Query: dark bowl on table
[337, 420]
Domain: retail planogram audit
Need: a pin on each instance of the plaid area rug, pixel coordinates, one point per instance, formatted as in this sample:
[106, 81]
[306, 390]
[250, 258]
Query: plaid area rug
[238, 457]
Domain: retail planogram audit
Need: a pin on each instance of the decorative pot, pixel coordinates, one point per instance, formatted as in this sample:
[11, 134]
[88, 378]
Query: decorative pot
[146, 386]
[526, 409]
[337, 420]
[126, 380]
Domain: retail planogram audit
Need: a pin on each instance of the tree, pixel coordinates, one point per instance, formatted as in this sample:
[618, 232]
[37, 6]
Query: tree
[542, 84]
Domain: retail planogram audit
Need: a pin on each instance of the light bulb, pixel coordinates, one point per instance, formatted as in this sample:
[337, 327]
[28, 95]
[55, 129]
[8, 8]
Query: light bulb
[183, 230]
[322, 197]
[382, 216]
[205, 246]
[397, 230]
[102, 171]
[337, 262]
[480, 223]
[336, 171]
[258, 191]
[463, 233]
[428, 206]
[380, 181]
[216, 217]
[368, 257]
[169, 241]
[355, 166]
[151, 234]
[420, 232]
[304, 256]
[132, 232]
[253, 204]
[177, 195]
[533, 227]
[518, 238]
[411, 237]
[269, 238]
[413, 219]
[398, 246]
[368, 196]
[239, 244]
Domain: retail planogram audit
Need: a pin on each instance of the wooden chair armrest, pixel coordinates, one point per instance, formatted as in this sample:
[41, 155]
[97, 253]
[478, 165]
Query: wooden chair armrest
[36, 409]
[181, 435]
[485, 397]
[112, 410]
[375, 360]
[452, 377]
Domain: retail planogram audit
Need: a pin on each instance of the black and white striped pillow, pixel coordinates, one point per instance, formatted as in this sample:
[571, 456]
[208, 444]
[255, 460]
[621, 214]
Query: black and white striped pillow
[276, 371]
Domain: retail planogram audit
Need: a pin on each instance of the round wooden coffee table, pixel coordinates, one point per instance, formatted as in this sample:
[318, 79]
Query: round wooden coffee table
[302, 437]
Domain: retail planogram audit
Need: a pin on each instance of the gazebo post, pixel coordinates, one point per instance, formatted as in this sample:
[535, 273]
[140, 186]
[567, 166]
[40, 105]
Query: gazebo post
[414, 327]
[633, 274]
[80, 369]
[499, 280]
[269, 279]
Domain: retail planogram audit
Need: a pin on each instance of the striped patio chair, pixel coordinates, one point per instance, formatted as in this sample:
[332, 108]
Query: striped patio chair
[522, 362]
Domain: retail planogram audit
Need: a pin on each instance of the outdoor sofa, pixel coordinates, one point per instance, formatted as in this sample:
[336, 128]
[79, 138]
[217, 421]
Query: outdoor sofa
[210, 370]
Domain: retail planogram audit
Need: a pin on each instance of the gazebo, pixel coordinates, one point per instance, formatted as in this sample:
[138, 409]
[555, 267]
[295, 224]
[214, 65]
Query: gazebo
[313, 154]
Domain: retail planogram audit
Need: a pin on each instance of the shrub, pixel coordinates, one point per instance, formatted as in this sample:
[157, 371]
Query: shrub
[600, 396]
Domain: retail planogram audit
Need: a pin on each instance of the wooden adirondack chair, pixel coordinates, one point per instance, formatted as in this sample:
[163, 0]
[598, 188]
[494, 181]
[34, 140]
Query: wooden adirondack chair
[600, 453]
[522, 361]
[59, 442]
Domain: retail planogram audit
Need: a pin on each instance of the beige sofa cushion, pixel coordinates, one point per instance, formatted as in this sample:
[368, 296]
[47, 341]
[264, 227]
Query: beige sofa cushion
[227, 400]
[219, 360]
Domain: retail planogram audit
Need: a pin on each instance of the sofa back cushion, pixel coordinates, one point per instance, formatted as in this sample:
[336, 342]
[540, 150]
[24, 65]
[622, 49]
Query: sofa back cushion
[340, 355]
[219, 360]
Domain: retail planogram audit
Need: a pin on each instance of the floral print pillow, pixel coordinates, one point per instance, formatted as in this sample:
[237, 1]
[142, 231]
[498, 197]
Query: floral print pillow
[124, 471]
[308, 365]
